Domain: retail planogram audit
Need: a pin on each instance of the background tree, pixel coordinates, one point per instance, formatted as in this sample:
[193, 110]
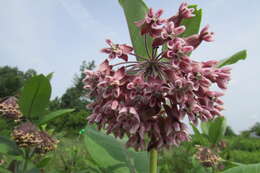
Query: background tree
[230, 132]
[74, 97]
[12, 79]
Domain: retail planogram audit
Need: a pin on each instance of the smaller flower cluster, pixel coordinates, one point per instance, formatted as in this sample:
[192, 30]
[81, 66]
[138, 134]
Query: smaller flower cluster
[164, 30]
[10, 109]
[48, 143]
[207, 157]
[27, 135]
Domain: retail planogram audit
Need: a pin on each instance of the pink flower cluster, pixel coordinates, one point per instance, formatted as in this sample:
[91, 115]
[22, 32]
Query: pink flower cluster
[148, 100]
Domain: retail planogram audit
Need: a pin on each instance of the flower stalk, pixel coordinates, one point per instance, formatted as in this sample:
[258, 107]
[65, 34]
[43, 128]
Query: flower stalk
[153, 160]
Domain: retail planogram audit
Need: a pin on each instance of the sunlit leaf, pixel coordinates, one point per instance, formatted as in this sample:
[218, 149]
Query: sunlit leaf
[217, 130]
[252, 168]
[136, 10]
[113, 153]
[46, 118]
[8, 146]
[241, 55]
[35, 96]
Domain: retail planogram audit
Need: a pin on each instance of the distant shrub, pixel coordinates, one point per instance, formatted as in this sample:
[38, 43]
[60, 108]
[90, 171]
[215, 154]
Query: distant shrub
[244, 144]
[245, 157]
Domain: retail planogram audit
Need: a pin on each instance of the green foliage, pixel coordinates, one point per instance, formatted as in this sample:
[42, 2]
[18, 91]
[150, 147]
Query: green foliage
[245, 157]
[12, 79]
[177, 159]
[205, 127]
[199, 137]
[8, 147]
[217, 130]
[253, 168]
[135, 10]
[3, 170]
[70, 157]
[43, 163]
[53, 115]
[74, 97]
[256, 129]
[245, 144]
[71, 123]
[35, 96]
[229, 132]
[180, 160]
[241, 55]
[115, 157]
[212, 131]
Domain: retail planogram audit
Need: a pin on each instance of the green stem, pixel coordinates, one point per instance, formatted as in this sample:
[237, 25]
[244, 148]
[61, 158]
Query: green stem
[153, 160]
[28, 154]
[25, 165]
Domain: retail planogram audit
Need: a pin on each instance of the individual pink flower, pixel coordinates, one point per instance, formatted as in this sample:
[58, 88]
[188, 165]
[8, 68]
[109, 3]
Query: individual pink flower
[205, 35]
[117, 50]
[184, 13]
[151, 23]
[178, 47]
[169, 32]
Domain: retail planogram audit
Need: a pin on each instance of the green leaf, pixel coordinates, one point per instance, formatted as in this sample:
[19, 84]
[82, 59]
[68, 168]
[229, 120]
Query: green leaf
[114, 153]
[198, 135]
[3, 170]
[205, 127]
[43, 162]
[50, 75]
[192, 24]
[9, 147]
[217, 130]
[252, 168]
[34, 170]
[46, 118]
[136, 10]
[99, 144]
[35, 96]
[241, 55]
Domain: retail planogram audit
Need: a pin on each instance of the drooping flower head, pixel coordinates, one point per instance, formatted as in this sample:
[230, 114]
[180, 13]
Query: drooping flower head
[27, 135]
[10, 109]
[151, 23]
[148, 100]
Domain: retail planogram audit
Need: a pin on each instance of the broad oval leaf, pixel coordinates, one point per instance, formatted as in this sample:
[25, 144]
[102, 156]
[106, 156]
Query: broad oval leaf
[241, 55]
[9, 147]
[35, 97]
[205, 127]
[114, 153]
[136, 10]
[252, 168]
[46, 118]
[217, 130]
[34, 170]
[43, 162]
[200, 137]
[103, 149]
[4, 170]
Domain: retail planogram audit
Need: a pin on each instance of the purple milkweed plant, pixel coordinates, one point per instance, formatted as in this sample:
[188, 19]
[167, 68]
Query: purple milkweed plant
[147, 100]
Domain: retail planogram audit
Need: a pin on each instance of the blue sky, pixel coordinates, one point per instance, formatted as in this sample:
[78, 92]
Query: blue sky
[57, 35]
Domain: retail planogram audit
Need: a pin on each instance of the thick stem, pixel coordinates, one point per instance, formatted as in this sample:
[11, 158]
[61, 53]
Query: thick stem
[153, 160]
